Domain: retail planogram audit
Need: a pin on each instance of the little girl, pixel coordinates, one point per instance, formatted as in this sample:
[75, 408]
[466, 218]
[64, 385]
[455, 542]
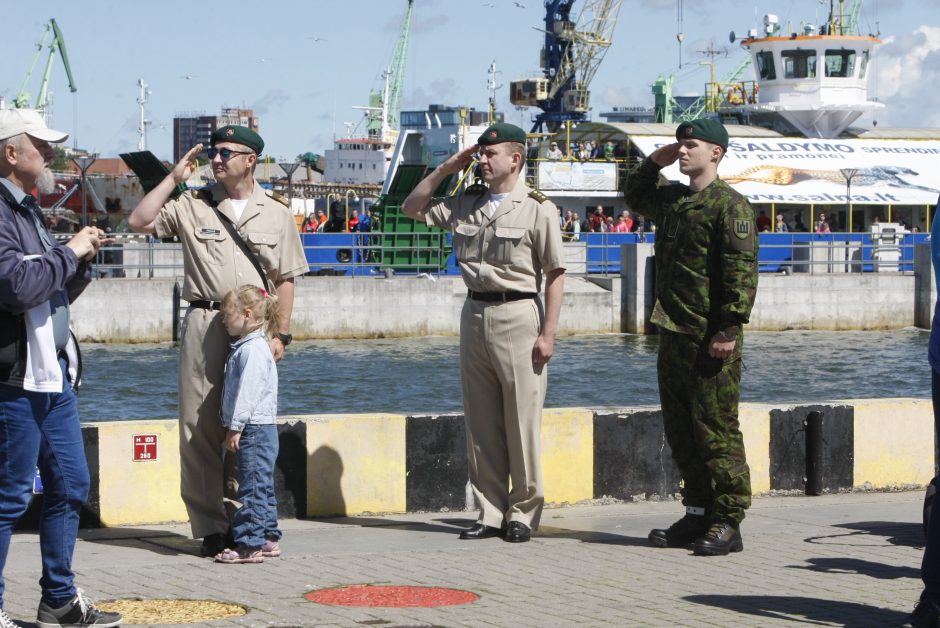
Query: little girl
[249, 411]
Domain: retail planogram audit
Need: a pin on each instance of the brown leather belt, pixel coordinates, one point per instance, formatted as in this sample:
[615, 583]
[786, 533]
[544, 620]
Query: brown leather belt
[206, 305]
[500, 297]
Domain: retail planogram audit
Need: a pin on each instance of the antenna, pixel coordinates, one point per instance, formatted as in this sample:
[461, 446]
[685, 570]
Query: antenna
[142, 99]
[493, 85]
[680, 36]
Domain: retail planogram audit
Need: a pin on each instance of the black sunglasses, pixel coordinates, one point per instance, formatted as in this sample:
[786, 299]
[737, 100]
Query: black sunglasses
[226, 153]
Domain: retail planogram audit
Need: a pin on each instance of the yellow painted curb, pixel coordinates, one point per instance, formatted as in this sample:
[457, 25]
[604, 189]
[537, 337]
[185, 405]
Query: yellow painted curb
[894, 441]
[755, 427]
[568, 454]
[355, 464]
[146, 490]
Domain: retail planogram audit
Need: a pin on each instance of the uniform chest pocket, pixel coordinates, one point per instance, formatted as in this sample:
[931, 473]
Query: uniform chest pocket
[264, 245]
[209, 245]
[464, 235]
[506, 242]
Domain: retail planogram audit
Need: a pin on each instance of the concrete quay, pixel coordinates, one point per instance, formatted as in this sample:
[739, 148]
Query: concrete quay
[835, 560]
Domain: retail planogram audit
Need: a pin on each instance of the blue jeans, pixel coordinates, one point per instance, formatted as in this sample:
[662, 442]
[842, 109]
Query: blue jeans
[930, 567]
[256, 520]
[44, 427]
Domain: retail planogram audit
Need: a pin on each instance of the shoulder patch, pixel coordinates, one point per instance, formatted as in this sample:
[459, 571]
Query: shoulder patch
[277, 197]
[538, 196]
[742, 234]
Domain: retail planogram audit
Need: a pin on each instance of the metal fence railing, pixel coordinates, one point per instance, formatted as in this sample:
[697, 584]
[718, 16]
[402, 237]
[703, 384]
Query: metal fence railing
[378, 254]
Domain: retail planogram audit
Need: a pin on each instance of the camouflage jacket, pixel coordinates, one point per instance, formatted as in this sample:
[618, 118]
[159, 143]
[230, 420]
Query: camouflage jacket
[706, 252]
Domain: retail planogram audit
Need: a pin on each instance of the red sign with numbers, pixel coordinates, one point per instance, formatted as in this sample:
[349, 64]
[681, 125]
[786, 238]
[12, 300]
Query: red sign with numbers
[145, 447]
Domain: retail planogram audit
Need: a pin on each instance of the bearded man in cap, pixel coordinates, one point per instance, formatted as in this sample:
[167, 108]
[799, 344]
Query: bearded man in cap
[39, 367]
[706, 281]
[213, 263]
[507, 239]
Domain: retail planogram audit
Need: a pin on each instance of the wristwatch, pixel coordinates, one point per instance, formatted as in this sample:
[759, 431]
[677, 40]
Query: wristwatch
[725, 336]
[285, 339]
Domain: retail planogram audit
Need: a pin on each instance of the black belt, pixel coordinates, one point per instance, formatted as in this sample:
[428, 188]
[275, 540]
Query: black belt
[500, 297]
[206, 305]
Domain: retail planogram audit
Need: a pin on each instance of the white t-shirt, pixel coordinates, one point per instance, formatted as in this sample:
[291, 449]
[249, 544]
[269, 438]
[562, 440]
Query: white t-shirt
[238, 206]
[495, 201]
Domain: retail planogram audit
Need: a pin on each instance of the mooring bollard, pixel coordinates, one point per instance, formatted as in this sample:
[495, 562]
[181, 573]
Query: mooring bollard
[812, 431]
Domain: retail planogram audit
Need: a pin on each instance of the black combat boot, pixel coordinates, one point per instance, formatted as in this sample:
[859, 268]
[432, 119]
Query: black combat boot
[926, 614]
[680, 534]
[722, 537]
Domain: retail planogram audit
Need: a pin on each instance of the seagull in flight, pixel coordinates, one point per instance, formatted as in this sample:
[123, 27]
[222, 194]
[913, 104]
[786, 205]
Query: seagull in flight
[490, 5]
[189, 77]
[519, 4]
[316, 39]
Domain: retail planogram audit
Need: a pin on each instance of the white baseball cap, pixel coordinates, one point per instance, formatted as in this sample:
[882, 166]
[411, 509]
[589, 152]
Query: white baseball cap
[14, 122]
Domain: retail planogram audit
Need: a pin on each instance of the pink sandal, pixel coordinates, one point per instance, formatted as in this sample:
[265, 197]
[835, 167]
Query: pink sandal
[239, 555]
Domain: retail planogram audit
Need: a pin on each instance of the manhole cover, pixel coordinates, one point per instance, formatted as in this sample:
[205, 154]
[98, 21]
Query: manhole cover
[390, 596]
[138, 611]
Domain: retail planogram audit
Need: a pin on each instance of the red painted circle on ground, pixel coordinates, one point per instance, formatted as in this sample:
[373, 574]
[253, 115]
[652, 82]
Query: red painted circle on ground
[391, 596]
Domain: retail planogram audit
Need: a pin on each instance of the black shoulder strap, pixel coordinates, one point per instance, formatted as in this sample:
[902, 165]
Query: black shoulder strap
[236, 237]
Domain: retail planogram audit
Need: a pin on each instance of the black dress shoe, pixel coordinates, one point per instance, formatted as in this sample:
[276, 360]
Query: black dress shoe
[212, 544]
[480, 531]
[682, 533]
[722, 537]
[517, 533]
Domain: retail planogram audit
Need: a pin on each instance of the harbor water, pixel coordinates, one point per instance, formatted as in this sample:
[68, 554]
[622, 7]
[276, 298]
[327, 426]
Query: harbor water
[421, 375]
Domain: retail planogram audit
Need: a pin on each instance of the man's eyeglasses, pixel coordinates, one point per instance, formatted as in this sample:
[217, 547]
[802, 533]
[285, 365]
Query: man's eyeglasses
[225, 153]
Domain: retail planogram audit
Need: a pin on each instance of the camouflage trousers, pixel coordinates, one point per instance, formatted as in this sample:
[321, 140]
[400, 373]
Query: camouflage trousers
[699, 396]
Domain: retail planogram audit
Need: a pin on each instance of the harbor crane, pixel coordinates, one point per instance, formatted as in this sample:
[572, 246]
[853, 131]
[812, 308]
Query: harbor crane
[56, 45]
[571, 55]
[385, 106]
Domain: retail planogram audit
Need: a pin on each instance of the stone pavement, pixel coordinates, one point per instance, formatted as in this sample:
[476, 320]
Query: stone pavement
[840, 560]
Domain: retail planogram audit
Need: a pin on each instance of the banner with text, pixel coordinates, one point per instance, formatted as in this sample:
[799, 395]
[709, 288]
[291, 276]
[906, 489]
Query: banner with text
[577, 175]
[814, 171]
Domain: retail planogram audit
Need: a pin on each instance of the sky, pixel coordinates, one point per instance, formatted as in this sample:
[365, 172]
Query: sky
[302, 65]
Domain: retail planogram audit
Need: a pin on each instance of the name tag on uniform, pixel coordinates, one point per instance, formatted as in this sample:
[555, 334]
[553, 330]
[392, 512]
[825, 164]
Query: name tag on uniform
[209, 231]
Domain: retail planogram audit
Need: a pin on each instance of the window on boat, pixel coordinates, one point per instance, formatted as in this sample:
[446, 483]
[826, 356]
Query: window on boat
[861, 71]
[799, 63]
[765, 65]
[840, 63]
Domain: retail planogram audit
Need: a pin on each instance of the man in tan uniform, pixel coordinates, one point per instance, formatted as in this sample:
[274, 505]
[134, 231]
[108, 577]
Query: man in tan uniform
[213, 264]
[505, 238]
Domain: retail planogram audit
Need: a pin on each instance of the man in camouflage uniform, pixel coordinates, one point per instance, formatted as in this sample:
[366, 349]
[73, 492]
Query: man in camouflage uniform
[706, 280]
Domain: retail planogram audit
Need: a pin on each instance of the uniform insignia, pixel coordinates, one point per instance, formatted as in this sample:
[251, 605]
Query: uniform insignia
[741, 229]
[277, 197]
[493, 134]
[230, 132]
[538, 196]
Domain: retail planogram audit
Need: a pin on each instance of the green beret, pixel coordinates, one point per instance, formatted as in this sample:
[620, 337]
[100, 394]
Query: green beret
[501, 132]
[238, 135]
[706, 130]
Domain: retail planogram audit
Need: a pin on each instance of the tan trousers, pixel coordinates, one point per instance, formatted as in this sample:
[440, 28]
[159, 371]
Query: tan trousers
[208, 482]
[503, 394]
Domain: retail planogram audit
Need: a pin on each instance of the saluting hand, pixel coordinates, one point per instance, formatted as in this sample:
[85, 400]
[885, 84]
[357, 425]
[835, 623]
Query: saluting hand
[665, 155]
[187, 165]
[459, 161]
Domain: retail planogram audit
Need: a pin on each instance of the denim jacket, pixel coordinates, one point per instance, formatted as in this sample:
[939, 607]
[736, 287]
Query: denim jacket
[250, 391]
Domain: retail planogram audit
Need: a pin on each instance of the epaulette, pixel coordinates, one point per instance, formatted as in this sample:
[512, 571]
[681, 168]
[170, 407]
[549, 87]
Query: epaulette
[277, 197]
[201, 195]
[538, 196]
